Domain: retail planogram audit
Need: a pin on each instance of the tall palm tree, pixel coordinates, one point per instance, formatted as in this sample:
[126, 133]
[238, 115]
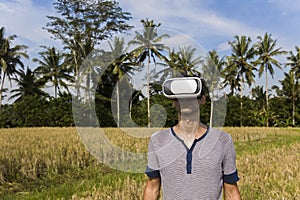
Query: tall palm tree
[149, 47]
[266, 51]
[52, 68]
[172, 66]
[291, 89]
[28, 84]
[230, 76]
[241, 66]
[212, 73]
[259, 95]
[181, 63]
[187, 62]
[79, 62]
[10, 58]
[121, 66]
[241, 57]
[294, 62]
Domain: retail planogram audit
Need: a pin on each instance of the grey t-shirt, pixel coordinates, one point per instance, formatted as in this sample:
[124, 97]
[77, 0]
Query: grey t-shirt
[197, 172]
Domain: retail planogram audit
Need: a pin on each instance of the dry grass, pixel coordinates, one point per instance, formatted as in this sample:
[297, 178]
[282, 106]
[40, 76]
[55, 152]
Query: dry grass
[269, 168]
[36, 152]
[128, 189]
[271, 174]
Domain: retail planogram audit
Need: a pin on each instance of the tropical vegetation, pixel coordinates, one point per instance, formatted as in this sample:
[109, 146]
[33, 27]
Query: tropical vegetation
[70, 80]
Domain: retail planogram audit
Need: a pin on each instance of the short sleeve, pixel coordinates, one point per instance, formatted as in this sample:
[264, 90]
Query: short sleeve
[152, 166]
[152, 173]
[230, 174]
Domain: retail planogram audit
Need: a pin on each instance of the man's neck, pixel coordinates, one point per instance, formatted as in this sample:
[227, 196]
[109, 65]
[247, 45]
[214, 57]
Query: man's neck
[189, 133]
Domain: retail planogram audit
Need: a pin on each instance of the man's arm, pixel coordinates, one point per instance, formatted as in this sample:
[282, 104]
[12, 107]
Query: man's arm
[152, 189]
[231, 192]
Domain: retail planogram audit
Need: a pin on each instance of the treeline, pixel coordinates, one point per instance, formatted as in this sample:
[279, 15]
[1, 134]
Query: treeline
[33, 111]
[84, 78]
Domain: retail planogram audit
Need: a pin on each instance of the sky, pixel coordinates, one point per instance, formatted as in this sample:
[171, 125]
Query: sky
[210, 23]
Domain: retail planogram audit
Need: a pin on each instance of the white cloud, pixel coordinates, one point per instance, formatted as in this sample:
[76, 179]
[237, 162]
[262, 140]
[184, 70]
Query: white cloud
[25, 19]
[193, 18]
[191, 12]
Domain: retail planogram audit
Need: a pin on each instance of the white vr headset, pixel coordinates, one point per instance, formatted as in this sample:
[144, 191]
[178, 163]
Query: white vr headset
[183, 87]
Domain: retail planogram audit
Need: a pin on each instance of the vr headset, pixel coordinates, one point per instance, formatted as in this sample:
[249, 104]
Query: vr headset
[182, 88]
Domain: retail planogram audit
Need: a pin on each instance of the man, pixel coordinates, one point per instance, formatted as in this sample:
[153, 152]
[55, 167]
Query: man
[190, 160]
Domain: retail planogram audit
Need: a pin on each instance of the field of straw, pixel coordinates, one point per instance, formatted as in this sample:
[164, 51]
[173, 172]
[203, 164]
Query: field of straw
[53, 163]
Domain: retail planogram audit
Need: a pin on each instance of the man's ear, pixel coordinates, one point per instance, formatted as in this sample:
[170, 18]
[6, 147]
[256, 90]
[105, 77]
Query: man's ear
[202, 100]
[175, 103]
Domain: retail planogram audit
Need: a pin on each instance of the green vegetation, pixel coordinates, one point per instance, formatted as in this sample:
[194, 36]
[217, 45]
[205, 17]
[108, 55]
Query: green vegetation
[82, 25]
[52, 163]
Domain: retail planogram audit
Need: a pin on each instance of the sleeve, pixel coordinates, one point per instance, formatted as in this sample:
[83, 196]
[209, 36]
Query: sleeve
[151, 173]
[152, 166]
[230, 174]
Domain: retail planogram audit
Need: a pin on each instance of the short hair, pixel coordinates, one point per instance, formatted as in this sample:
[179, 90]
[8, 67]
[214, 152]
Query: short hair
[204, 89]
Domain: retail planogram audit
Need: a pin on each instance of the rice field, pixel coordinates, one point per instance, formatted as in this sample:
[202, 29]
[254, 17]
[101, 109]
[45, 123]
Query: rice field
[53, 163]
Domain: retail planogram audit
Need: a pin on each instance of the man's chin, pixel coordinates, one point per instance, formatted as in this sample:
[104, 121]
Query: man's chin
[186, 111]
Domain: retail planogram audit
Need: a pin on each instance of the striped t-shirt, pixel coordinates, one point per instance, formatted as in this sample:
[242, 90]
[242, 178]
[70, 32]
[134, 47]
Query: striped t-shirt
[192, 173]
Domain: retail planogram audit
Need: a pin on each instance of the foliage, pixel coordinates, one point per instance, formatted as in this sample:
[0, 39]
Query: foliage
[52, 68]
[28, 84]
[36, 111]
[96, 20]
[117, 101]
[10, 58]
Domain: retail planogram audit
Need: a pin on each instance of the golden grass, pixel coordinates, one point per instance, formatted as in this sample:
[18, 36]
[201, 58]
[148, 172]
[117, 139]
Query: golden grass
[35, 153]
[273, 173]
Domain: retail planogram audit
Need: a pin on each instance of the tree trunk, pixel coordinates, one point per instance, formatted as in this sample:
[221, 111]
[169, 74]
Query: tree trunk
[293, 112]
[118, 105]
[130, 104]
[55, 91]
[148, 93]
[241, 105]
[77, 84]
[1, 90]
[211, 112]
[267, 99]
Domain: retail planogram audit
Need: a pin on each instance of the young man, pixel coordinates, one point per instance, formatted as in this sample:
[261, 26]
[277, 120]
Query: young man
[190, 160]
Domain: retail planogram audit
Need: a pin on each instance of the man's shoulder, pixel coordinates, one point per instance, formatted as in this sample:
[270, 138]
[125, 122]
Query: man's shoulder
[160, 134]
[161, 137]
[222, 135]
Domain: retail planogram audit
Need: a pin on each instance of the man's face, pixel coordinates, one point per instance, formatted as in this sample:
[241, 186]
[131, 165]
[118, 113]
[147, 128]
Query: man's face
[187, 106]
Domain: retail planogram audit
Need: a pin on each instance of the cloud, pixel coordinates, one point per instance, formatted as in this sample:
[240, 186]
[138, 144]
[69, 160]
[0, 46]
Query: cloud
[192, 14]
[25, 19]
[193, 18]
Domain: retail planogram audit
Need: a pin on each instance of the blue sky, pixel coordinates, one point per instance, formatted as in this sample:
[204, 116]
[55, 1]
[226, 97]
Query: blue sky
[211, 23]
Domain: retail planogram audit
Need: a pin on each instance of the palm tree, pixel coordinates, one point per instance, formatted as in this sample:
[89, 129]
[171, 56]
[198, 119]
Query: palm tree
[212, 73]
[120, 66]
[172, 66]
[10, 58]
[242, 54]
[291, 89]
[181, 63]
[187, 62]
[266, 51]
[149, 46]
[259, 96]
[52, 68]
[258, 105]
[294, 62]
[241, 66]
[230, 77]
[28, 85]
[80, 64]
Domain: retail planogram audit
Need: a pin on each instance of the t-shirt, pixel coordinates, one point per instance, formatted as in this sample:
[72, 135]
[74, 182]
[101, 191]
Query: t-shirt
[197, 172]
